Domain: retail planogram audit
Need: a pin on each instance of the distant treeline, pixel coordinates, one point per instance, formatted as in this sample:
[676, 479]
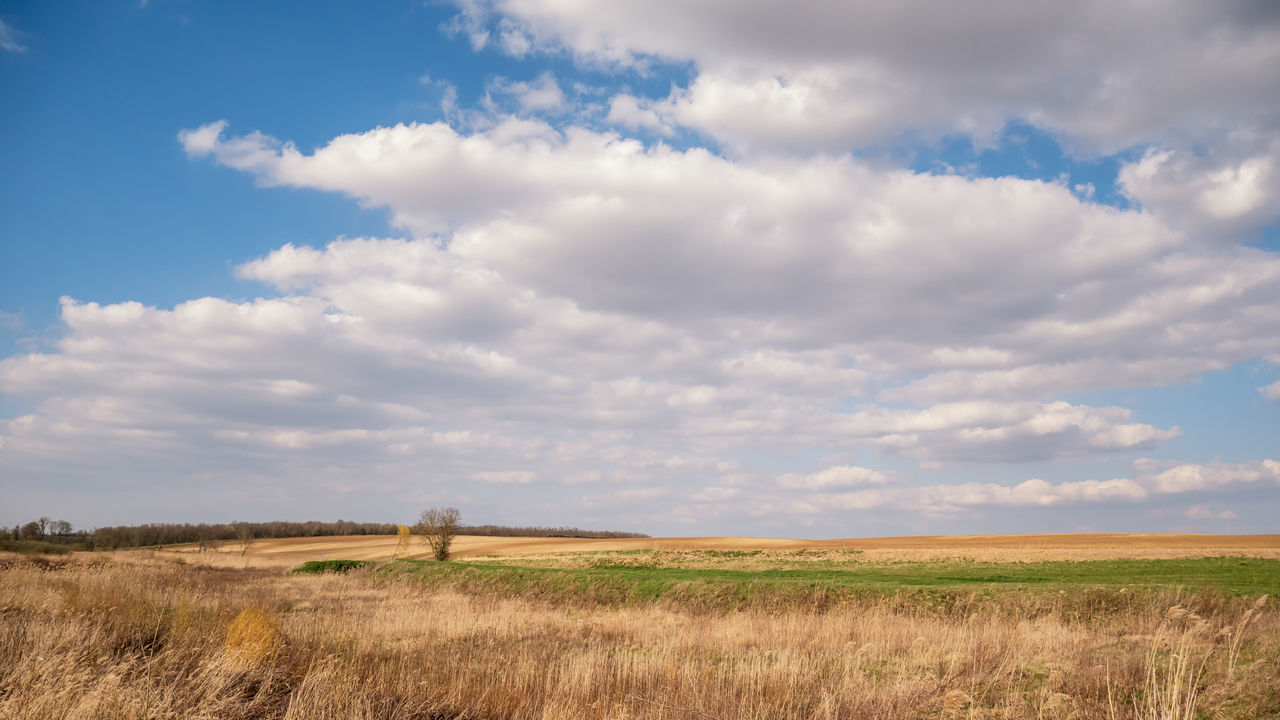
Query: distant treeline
[133, 536]
[569, 532]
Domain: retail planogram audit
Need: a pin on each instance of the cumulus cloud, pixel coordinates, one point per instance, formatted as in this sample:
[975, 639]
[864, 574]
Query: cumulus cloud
[1189, 84]
[1108, 75]
[579, 308]
[995, 287]
[955, 497]
[1225, 196]
[1272, 391]
[987, 431]
[635, 113]
[592, 311]
[1154, 479]
[1194, 477]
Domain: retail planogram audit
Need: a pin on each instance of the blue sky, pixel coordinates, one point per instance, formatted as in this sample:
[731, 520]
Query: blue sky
[827, 271]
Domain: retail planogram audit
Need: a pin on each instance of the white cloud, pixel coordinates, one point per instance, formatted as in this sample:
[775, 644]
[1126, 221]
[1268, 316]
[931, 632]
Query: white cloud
[1190, 84]
[573, 306]
[580, 307]
[954, 497]
[1003, 288]
[950, 498]
[838, 476]
[634, 113]
[986, 431]
[1193, 477]
[203, 140]
[543, 94]
[1226, 196]
[514, 42]
[10, 39]
[1107, 75]
[1272, 391]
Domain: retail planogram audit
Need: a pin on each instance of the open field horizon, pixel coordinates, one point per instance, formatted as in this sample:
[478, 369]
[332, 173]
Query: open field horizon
[984, 548]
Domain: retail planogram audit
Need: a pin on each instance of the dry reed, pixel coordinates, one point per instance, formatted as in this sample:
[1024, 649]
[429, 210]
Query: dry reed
[88, 638]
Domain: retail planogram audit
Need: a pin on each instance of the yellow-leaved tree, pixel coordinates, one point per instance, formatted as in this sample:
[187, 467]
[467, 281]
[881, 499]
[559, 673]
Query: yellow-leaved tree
[405, 536]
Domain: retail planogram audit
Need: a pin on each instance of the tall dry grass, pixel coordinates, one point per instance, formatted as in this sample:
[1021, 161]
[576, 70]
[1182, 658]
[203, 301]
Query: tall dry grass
[94, 638]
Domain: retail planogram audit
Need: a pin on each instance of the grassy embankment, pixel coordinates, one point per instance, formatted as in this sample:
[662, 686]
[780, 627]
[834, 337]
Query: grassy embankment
[690, 635]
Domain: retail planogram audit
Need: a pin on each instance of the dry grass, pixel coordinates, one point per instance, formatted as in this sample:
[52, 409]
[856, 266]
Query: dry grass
[132, 637]
[841, 558]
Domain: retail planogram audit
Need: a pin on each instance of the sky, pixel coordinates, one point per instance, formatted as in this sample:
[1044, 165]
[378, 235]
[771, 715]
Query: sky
[818, 269]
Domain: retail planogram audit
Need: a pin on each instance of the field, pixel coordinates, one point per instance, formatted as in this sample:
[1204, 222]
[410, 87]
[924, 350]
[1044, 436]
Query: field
[1080, 626]
[994, 548]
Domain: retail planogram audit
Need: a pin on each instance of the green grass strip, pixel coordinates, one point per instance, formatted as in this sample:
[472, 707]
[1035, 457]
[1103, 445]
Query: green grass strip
[628, 584]
[317, 567]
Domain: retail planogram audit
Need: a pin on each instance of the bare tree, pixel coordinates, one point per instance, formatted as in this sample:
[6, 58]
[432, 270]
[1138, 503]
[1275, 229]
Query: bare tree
[244, 536]
[437, 526]
[61, 527]
[207, 537]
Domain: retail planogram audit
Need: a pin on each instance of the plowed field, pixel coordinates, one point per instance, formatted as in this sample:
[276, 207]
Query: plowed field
[987, 548]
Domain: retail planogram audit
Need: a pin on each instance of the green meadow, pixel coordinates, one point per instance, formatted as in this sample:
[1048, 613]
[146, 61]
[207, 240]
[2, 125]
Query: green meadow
[612, 581]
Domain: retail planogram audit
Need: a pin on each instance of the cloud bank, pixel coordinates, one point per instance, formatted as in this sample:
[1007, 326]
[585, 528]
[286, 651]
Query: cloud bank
[600, 321]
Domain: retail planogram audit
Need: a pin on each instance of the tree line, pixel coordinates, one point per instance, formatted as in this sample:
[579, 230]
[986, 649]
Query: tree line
[538, 531]
[133, 536]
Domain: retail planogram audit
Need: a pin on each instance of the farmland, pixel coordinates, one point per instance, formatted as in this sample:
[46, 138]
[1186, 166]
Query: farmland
[1083, 626]
[556, 550]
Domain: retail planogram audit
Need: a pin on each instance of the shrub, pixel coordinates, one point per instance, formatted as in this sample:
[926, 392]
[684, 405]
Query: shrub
[317, 567]
[30, 547]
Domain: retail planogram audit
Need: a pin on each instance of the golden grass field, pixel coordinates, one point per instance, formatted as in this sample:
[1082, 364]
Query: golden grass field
[182, 634]
[991, 548]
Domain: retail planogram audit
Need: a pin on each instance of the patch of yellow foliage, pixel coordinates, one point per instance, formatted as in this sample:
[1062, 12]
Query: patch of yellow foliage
[253, 637]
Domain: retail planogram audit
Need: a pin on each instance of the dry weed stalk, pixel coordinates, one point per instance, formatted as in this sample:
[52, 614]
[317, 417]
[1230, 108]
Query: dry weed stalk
[1236, 636]
[1172, 686]
[1177, 663]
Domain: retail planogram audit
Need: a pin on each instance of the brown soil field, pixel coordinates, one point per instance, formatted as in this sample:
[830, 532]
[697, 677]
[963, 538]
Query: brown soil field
[987, 548]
